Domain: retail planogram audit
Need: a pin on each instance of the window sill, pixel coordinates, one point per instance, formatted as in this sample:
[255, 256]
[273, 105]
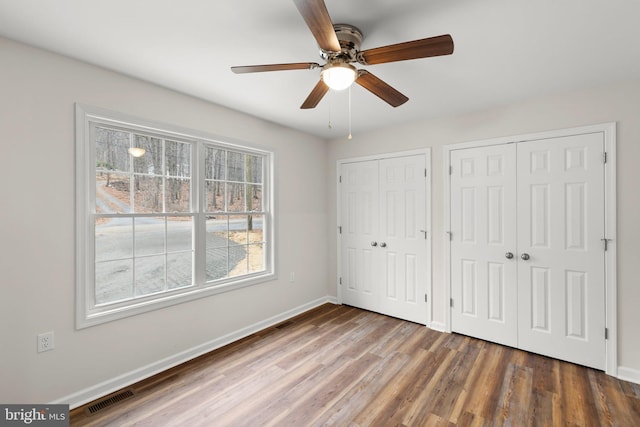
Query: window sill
[107, 314]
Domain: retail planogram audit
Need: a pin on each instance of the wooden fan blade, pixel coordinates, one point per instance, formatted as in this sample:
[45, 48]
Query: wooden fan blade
[274, 67]
[316, 95]
[380, 89]
[423, 48]
[317, 17]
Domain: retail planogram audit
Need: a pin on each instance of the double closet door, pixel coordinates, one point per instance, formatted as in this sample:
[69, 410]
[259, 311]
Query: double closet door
[527, 257]
[383, 241]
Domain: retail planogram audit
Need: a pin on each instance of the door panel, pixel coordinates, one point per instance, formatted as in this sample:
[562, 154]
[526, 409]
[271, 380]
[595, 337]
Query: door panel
[469, 287]
[539, 226]
[359, 219]
[495, 283]
[483, 280]
[561, 196]
[539, 299]
[402, 245]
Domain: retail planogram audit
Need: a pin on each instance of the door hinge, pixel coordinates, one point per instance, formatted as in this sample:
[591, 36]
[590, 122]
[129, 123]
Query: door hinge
[605, 157]
[340, 179]
[340, 280]
[450, 302]
[606, 333]
[340, 229]
[425, 298]
[425, 172]
[450, 170]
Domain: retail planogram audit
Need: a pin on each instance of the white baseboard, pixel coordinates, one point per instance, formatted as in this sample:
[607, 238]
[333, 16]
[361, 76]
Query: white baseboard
[102, 389]
[437, 326]
[629, 374]
[331, 300]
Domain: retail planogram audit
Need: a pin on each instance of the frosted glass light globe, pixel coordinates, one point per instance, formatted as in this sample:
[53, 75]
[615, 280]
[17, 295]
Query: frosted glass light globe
[339, 76]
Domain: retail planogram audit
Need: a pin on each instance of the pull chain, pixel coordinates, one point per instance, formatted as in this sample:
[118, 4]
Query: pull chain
[330, 126]
[350, 137]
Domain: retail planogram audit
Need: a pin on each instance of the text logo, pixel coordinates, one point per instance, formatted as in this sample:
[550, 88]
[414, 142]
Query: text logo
[34, 415]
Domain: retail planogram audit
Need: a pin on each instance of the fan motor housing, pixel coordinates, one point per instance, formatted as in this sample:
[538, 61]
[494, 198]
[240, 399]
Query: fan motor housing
[350, 38]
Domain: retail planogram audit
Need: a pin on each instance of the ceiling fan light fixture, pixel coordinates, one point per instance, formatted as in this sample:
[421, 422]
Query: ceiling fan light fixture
[339, 75]
[340, 46]
[137, 151]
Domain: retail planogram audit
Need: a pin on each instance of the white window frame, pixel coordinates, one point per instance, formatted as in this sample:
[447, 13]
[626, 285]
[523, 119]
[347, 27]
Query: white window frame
[88, 313]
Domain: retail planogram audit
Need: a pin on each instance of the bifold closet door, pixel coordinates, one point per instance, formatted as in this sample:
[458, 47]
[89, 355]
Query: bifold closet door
[483, 243]
[402, 243]
[527, 257]
[383, 247]
[359, 206]
[560, 227]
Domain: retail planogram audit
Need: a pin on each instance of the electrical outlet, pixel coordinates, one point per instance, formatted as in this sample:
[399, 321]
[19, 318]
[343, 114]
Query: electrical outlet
[45, 342]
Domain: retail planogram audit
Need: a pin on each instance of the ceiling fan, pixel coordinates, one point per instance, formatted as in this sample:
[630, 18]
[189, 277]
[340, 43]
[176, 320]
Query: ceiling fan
[340, 47]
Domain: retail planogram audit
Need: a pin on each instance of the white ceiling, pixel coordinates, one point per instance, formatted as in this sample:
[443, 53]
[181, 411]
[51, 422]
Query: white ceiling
[505, 51]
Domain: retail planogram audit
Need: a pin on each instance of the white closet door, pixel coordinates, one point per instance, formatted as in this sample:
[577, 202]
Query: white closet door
[483, 233]
[359, 207]
[402, 246]
[560, 227]
[383, 250]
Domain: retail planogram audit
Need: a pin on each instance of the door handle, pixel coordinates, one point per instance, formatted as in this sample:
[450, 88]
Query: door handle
[374, 243]
[383, 245]
[508, 255]
[525, 256]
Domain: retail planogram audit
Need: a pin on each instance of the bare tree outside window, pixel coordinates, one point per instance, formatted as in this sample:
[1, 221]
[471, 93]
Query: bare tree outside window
[235, 218]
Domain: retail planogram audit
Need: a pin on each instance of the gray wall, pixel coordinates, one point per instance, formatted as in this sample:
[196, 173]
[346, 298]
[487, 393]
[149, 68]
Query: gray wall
[39, 90]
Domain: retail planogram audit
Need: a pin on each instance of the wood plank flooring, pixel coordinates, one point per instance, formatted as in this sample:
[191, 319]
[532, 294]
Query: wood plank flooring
[342, 366]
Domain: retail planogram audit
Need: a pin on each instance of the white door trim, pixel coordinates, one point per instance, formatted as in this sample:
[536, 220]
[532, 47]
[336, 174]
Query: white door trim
[609, 132]
[427, 153]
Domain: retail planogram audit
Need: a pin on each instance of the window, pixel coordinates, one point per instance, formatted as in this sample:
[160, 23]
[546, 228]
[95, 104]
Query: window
[165, 215]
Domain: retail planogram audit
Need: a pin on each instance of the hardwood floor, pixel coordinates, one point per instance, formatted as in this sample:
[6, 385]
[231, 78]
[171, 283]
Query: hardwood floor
[342, 366]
